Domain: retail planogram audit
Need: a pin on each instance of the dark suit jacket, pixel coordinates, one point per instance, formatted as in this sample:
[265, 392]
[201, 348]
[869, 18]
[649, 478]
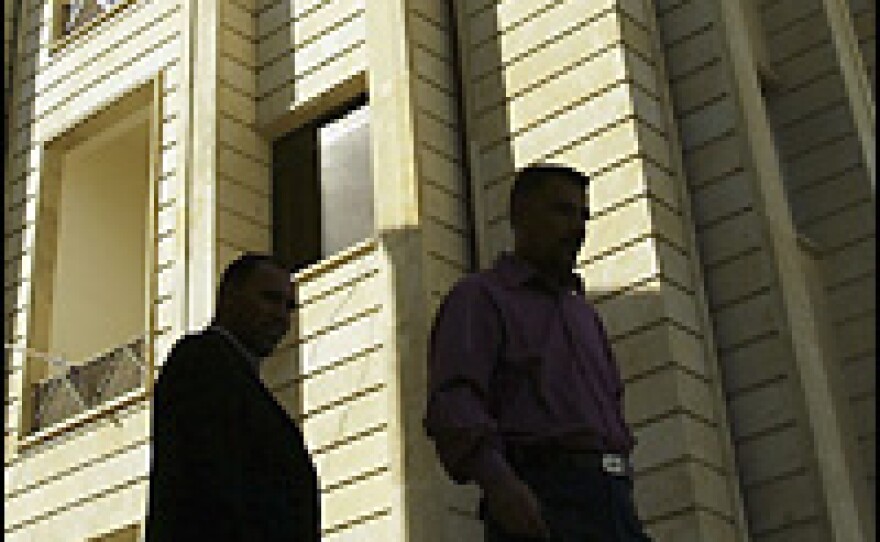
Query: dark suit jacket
[228, 462]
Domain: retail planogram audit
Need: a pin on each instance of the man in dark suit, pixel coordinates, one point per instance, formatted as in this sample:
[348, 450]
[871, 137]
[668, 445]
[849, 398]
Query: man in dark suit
[228, 462]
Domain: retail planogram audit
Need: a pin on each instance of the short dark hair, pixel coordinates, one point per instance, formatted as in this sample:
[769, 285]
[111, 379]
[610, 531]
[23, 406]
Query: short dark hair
[241, 268]
[534, 176]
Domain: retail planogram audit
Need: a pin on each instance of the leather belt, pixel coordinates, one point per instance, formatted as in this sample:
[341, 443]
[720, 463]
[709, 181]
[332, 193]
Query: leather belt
[525, 456]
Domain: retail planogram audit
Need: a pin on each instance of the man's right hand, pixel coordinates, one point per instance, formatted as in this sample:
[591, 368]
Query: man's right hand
[513, 505]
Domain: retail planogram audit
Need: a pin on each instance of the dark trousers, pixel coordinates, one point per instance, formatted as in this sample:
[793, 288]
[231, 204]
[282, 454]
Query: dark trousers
[579, 504]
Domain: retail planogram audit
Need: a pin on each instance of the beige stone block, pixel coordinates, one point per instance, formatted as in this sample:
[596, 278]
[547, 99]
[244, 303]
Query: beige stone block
[441, 275]
[324, 20]
[681, 487]
[699, 87]
[241, 233]
[439, 135]
[517, 38]
[854, 299]
[850, 261]
[655, 347]
[237, 17]
[665, 392]
[433, 35]
[236, 76]
[437, 70]
[754, 363]
[360, 413]
[245, 139]
[231, 43]
[633, 177]
[816, 94]
[619, 269]
[826, 197]
[342, 68]
[243, 169]
[90, 479]
[338, 466]
[842, 228]
[275, 14]
[803, 135]
[100, 515]
[244, 201]
[95, 97]
[439, 168]
[274, 57]
[782, 14]
[374, 529]
[822, 162]
[806, 66]
[339, 343]
[729, 238]
[342, 305]
[559, 109]
[61, 66]
[365, 370]
[696, 526]
[320, 281]
[49, 460]
[761, 409]
[309, 57]
[729, 195]
[739, 277]
[235, 104]
[707, 123]
[687, 55]
[680, 23]
[559, 61]
[359, 499]
[80, 66]
[765, 457]
[440, 103]
[447, 242]
[746, 320]
[812, 531]
[785, 501]
[675, 438]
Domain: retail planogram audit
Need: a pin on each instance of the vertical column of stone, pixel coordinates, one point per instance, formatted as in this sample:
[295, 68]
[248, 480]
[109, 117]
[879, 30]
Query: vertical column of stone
[767, 333]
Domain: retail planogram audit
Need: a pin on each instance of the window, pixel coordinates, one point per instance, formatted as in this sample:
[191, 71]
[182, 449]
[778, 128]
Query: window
[323, 186]
[91, 310]
[73, 14]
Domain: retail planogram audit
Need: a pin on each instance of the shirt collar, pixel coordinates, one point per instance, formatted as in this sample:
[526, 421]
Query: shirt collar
[253, 359]
[515, 271]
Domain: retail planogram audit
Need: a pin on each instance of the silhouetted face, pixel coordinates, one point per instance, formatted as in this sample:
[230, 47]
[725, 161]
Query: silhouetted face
[551, 224]
[257, 310]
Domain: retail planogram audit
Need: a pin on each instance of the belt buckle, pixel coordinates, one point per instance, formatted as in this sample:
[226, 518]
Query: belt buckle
[614, 464]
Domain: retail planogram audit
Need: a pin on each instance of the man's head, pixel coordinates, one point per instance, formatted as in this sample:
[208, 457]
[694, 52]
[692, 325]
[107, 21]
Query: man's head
[548, 210]
[254, 300]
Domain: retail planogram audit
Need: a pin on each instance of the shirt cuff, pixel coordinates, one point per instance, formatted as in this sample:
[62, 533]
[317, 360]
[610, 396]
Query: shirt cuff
[487, 465]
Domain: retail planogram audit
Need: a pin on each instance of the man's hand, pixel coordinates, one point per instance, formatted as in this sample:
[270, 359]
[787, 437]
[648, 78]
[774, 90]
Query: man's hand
[513, 505]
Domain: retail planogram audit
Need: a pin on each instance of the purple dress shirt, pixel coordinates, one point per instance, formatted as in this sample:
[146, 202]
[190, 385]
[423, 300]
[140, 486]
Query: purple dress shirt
[514, 360]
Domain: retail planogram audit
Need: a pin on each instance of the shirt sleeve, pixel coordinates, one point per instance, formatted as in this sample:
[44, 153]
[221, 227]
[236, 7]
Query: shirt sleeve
[464, 348]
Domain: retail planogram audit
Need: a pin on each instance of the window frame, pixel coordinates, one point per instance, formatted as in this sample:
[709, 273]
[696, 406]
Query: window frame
[145, 94]
[284, 232]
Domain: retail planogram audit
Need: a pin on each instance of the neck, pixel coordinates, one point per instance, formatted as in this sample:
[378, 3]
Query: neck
[552, 274]
[254, 358]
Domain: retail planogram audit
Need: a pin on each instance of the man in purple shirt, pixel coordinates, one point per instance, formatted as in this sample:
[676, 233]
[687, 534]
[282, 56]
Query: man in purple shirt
[525, 398]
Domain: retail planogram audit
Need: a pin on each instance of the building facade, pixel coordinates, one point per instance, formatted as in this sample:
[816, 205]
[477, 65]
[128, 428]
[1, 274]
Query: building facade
[371, 144]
